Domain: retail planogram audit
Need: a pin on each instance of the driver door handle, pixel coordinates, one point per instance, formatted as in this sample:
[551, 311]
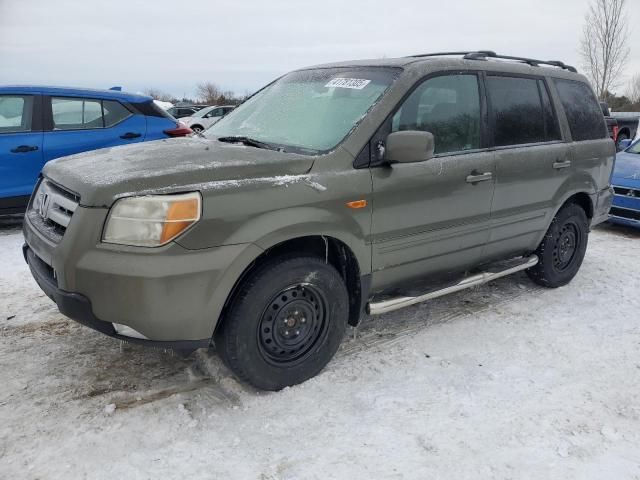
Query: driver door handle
[479, 177]
[24, 149]
[559, 165]
[130, 135]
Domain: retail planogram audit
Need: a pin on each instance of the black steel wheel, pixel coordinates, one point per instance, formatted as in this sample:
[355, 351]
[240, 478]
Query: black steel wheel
[562, 249]
[285, 322]
[293, 322]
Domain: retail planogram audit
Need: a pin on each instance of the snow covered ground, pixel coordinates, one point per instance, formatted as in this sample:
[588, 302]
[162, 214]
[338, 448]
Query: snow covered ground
[505, 381]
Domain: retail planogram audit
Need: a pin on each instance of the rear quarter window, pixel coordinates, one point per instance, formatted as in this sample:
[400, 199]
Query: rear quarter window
[583, 112]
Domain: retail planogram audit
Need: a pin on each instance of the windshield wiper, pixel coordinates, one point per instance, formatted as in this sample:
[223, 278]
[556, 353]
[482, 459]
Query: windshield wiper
[251, 142]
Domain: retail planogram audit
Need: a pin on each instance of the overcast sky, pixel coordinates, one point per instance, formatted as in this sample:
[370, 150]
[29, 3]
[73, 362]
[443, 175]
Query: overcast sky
[241, 45]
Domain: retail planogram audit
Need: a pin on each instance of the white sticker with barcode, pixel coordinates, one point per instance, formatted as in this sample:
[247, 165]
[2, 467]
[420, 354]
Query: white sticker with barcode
[355, 83]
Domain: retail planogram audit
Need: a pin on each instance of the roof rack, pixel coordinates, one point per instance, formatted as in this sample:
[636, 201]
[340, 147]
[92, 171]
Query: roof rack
[485, 54]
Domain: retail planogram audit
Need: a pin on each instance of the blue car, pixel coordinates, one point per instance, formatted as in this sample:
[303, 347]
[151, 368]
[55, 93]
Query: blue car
[38, 124]
[626, 184]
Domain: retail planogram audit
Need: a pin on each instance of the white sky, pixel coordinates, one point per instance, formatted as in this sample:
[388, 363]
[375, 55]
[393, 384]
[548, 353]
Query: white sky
[241, 45]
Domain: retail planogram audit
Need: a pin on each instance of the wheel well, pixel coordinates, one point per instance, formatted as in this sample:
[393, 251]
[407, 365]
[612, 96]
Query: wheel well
[584, 201]
[330, 249]
[197, 125]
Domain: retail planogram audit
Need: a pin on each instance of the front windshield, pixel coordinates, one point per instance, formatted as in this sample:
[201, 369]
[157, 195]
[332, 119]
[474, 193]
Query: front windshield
[635, 148]
[202, 112]
[309, 110]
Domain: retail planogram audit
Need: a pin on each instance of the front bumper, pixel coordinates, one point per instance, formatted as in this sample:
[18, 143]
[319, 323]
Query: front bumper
[171, 296]
[78, 307]
[626, 206]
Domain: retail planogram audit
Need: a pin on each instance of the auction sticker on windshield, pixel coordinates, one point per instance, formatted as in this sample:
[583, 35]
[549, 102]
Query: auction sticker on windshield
[355, 83]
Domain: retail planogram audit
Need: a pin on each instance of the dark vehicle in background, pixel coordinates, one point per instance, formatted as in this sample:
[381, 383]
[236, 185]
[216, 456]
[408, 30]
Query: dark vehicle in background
[621, 126]
[612, 123]
[38, 124]
[626, 185]
[361, 186]
[182, 111]
[627, 126]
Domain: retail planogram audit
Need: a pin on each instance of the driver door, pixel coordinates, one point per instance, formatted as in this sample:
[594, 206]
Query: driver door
[433, 216]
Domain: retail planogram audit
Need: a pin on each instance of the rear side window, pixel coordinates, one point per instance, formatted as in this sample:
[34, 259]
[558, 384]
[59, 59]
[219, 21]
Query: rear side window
[76, 113]
[518, 115]
[448, 106]
[83, 113]
[114, 113]
[584, 114]
[16, 113]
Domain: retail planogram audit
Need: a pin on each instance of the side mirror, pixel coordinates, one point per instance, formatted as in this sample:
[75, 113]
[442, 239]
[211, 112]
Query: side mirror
[409, 146]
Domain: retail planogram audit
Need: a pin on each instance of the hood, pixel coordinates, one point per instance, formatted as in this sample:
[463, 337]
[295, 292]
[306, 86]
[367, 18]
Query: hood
[170, 165]
[626, 172]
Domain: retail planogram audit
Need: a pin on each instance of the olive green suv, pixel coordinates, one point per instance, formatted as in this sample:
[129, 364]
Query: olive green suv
[337, 190]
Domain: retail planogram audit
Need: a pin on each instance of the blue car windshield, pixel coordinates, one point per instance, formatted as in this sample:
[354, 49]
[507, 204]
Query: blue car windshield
[308, 111]
[634, 148]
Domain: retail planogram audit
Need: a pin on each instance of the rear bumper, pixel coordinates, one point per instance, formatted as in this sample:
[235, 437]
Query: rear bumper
[602, 202]
[78, 307]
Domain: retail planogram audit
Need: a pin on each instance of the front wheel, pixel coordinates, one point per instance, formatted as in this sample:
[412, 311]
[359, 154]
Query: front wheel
[285, 323]
[197, 128]
[562, 250]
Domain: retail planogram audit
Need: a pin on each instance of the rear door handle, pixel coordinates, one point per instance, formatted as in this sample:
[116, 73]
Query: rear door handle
[559, 165]
[479, 177]
[24, 149]
[130, 135]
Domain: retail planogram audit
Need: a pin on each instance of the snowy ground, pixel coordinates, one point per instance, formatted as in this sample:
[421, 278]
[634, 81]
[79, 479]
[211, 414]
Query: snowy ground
[505, 381]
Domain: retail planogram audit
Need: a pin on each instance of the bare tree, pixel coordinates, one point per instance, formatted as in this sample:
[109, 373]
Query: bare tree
[633, 92]
[158, 94]
[604, 45]
[208, 92]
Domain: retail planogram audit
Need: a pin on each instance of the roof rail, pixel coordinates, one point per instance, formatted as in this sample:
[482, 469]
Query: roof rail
[485, 54]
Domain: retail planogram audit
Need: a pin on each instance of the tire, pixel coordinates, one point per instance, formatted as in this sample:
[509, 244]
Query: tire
[285, 322]
[197, 128]
[562, 250]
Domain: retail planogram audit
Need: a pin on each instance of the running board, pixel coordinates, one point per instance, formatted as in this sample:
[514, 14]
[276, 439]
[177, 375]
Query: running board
[385, 306]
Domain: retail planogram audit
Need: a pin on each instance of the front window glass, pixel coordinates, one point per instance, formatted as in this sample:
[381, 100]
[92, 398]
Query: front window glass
[308, 111]
[447, 106]
[15, 113]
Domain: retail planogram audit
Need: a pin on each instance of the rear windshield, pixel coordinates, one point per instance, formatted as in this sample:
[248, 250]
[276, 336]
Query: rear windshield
[309, 111]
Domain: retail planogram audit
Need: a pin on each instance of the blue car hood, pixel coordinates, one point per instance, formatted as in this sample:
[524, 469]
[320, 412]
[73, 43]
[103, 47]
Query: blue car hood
[626, 172]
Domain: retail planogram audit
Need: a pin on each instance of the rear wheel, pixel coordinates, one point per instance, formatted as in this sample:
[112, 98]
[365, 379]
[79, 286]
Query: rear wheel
[285, 322]
[562, 250]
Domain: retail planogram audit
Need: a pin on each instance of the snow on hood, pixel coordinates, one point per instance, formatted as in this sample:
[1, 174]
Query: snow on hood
[179, 164]
[626, 172]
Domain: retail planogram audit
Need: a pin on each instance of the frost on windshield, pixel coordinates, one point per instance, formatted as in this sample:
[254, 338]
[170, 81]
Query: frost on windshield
[310, 110]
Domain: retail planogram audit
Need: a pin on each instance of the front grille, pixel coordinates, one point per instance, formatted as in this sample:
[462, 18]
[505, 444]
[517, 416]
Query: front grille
[625, 213]
[51, 209]
[627, 192]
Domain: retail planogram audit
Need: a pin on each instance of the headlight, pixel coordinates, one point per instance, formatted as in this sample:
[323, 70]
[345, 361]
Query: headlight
[153, 220]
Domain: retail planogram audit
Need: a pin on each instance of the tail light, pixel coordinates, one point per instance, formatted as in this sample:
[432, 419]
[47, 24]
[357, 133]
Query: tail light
[181, 130]
[615, 130]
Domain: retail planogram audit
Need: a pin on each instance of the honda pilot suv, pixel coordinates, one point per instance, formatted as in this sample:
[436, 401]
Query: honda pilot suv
[335, 191]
